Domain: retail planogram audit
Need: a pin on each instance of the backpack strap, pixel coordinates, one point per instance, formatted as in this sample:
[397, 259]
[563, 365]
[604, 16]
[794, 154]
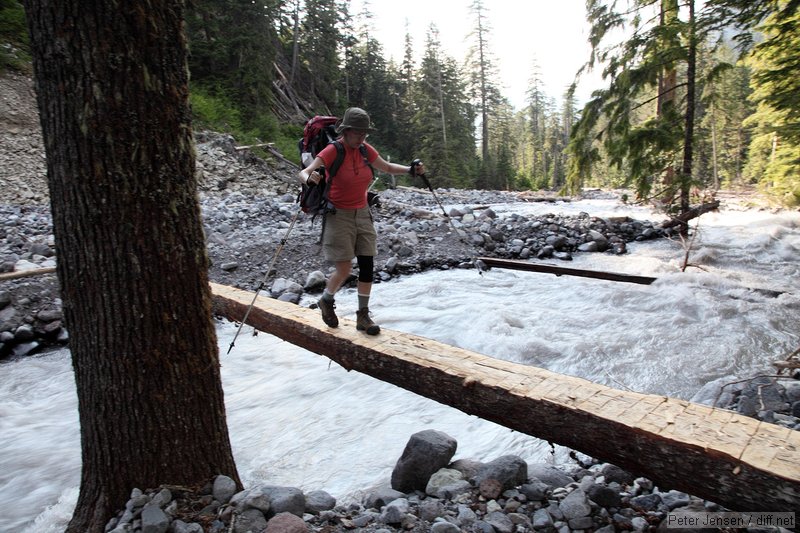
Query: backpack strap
[337, 163]
[363, 150]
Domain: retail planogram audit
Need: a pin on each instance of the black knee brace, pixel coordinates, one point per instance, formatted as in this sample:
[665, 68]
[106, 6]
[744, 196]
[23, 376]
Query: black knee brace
[365, 266]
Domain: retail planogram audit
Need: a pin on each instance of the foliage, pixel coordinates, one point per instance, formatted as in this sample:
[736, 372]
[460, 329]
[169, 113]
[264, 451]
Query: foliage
[258, 71]
[14, 45]
[775, 148]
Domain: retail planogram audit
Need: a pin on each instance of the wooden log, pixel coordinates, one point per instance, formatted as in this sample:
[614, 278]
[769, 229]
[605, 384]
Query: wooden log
[26, 273]
[247, 147]
[564, 271]
[695, 212]
[739, 462]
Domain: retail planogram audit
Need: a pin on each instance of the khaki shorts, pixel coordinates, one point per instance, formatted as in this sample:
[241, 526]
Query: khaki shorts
[348, 233]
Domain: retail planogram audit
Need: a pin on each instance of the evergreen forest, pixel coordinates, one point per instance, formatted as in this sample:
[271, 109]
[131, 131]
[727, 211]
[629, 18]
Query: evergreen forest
[698, 96]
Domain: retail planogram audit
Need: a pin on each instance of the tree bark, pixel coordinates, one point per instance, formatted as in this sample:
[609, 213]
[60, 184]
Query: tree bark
[688, 146]
[112, 87]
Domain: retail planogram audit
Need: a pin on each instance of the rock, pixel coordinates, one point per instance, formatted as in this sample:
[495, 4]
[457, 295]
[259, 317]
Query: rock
[395, 511]
[425, 453]
[382, 496]
[286, 523]
[442, 478]
[646, 502]
[284, 499]
[154, 520]
[319, 500]
[550, 475]
[614, 473]
[223, 489]
[445, 527]
[249, 521]
[500, 522]
[535, 490]
[430, 509]
[575, 505]
[5, 299]
[603, 495]
[253, 498]
[490, 488]
[510, 470]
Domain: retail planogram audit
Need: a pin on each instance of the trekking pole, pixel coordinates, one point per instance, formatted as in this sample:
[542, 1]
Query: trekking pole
[278, 250]
[414, 165]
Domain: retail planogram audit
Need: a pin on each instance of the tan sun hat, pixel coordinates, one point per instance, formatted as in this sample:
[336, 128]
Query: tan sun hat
[354, 118]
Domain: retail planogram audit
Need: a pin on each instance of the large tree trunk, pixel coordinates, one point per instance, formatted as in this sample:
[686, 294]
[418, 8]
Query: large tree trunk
[688, 146]
[113, 99]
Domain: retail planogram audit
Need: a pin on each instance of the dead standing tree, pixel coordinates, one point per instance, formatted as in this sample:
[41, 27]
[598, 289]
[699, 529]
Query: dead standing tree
[112, 85]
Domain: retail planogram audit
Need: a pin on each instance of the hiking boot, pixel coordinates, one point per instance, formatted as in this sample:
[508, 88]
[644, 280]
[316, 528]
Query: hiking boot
[328, 314]
[365, 323]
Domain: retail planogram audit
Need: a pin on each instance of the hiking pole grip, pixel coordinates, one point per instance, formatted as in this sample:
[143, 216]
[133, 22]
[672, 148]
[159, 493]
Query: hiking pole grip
[413, 171]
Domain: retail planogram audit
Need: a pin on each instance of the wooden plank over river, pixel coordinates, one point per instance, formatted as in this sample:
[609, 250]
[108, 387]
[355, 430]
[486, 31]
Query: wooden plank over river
[716, 454]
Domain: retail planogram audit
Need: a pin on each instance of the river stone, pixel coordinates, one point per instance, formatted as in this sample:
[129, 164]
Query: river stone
[382, 496]
[286, 523]
[453, 490]
[395, 511]
[500, 522]
[179, 526]
[548, 474]
[510, 470]
[284, 500]
[425, 453]
[542, 519]
[253, 498]
[646, 502]
[154, 520]
[223, 489]
[26, 348]
[445, 527]
[674, 499]
[5, 299]
[468, 467]
[466, 516]
[536, 490]
[615, 473]
[319, 500]
[430, 509]
[603, 495]
[314, 281]
[249, 521]
[575, 505]
[442, 478]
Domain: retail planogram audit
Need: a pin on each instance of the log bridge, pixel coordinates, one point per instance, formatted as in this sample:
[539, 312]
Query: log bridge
[716, 454]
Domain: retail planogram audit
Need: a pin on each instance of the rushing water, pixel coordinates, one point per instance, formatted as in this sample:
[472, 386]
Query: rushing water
[297, 419]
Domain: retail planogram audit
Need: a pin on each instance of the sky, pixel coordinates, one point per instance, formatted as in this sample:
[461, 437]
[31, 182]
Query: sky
[551, 32]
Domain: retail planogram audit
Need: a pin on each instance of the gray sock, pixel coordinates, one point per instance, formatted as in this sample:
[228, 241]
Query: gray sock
[327, 296]
[363, 301]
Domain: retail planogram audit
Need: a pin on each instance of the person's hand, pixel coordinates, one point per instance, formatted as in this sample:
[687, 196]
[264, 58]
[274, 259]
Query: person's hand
[416, 168]
[314, 178]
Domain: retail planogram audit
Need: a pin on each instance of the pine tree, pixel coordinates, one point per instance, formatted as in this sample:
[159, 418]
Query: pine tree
[443, 117]
[775, 149]
[484, 89]
[233, 47]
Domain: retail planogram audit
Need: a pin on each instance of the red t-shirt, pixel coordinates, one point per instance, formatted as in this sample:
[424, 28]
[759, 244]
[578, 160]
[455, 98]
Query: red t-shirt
[350, 184]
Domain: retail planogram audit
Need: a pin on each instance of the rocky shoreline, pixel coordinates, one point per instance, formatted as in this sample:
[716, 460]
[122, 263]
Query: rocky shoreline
[427, 493]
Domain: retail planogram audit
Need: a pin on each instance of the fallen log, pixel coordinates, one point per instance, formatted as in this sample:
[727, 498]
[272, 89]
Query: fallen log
[564, 271]
[719, 455]
[26, 273]
[684, 218]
